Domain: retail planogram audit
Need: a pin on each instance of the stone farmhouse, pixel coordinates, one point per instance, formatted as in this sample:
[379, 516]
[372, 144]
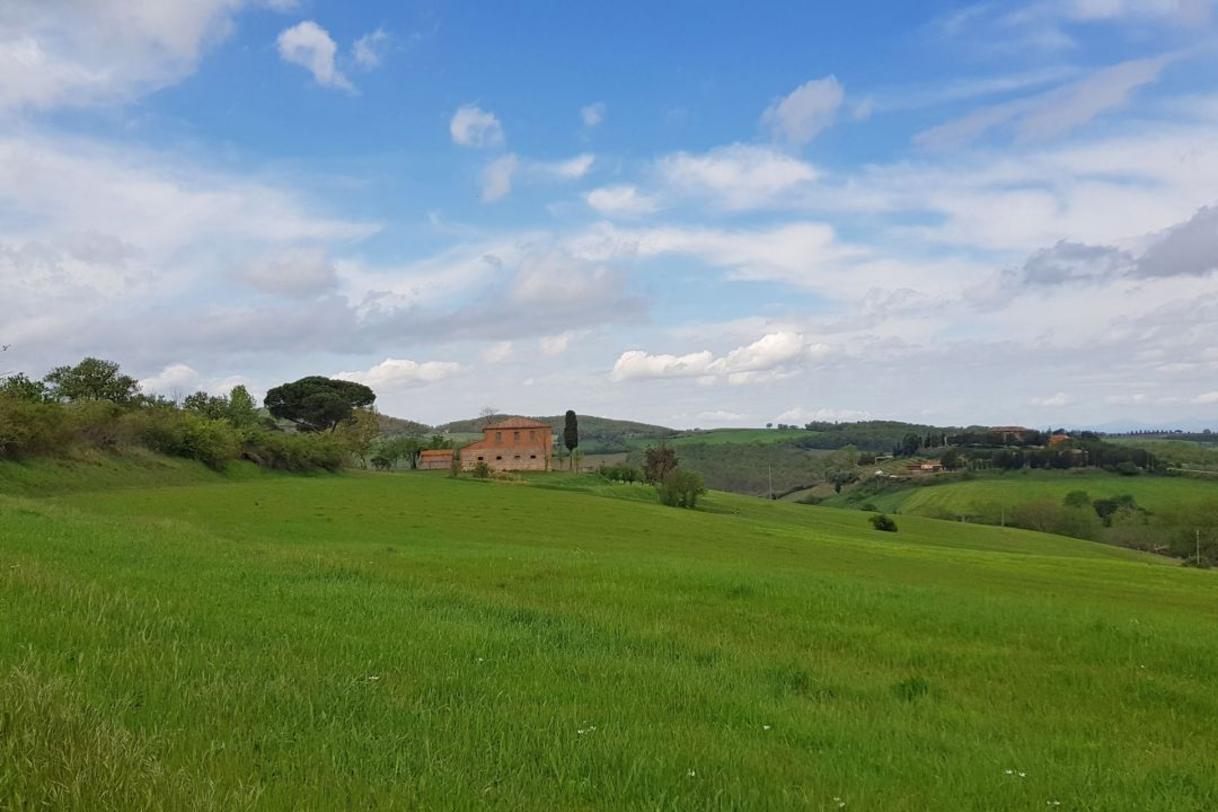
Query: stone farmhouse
[514, 444]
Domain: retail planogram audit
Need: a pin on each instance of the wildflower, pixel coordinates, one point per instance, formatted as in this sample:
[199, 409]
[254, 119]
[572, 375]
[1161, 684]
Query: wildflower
[373, 677]
[1023, 775]
[1009, 772]
[765, 727]
[690, 773]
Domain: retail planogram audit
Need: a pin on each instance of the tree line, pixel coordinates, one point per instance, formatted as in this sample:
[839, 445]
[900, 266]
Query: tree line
[314, 423]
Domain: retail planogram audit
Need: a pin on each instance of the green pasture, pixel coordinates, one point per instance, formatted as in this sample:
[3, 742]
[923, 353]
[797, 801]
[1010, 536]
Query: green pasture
[412, 641]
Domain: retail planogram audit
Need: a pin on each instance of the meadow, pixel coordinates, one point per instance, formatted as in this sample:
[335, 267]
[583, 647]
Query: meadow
[408, 640]
[987, 496]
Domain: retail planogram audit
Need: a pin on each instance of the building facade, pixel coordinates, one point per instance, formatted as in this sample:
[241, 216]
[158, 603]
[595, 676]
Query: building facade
[436, 459]
[515, 444]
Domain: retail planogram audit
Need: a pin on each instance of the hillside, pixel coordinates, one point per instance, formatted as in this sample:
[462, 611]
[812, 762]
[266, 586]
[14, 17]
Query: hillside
[984, 498]
[416, 641]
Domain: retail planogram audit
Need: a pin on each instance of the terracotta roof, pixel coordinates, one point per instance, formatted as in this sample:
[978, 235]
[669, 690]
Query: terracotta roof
[436, 452]
[518, 423]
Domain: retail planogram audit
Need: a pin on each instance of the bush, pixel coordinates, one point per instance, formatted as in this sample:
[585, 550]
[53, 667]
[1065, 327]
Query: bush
[884, 522]
[294, 452]
[1077, 499]
[481, 471]
[681, 488]
[620, 473]
[29, 428]
[1127, 468]
[1047, 516]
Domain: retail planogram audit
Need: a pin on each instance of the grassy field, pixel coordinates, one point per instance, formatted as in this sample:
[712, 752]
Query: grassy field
[987, 496]
[412, 641]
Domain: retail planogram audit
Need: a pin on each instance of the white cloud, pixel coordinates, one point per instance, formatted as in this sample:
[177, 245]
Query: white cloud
[1053, 113]
[173, 380]
[369, 50]
[296, 271]
[497, 352]
[497, 178]
[1206, 398]
[103, 51]
[736, 177]
[769, 354]
[593, 115]
[570, 169]
[554, 345]
[399, 373]
[801, 116]
[471, 126]
[623, 200]
[1054, 401]
[311, 47]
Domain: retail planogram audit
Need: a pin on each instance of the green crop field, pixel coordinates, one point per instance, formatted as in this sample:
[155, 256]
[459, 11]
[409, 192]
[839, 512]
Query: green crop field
[414, 641]
[987, 496]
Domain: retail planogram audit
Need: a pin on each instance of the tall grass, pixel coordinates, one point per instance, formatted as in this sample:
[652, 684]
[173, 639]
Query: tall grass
[410, 641]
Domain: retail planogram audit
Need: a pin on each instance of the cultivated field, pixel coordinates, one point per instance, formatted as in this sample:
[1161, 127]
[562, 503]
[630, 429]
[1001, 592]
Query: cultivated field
[988, 495]
[412, 641]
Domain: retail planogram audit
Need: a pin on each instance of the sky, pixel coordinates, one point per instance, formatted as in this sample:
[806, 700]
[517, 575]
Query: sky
[697, 214]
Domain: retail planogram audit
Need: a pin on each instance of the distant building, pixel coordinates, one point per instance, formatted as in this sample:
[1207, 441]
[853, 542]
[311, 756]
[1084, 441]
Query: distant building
[1058, 439]
[515, 444]
[1012, 433]
[436, 459]
[931, 467]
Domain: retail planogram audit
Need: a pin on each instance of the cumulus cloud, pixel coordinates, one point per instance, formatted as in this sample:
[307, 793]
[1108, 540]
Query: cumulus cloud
[593, 115]
[497, 178]
[622, 200]
[473, 127]
[801, 116]
[1207, 398]
[369, 50]
[735, 177]
[311, 47]
[173, 380]
[761, 359]
[400, 373]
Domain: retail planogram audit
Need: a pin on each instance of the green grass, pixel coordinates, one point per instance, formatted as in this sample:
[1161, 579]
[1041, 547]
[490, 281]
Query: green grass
[413, 641]
[987, 496]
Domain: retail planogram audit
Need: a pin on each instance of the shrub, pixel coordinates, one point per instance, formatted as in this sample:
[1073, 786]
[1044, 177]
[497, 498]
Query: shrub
[1047, 516]
[884, 522]
[481, 471]
[620, 473]
[1127, 468]
[1077, 499]
[294, 452]
[681, 488]
[29, 428]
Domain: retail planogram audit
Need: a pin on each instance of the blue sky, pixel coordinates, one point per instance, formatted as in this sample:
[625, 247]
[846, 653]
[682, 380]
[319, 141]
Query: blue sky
[692, 213]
